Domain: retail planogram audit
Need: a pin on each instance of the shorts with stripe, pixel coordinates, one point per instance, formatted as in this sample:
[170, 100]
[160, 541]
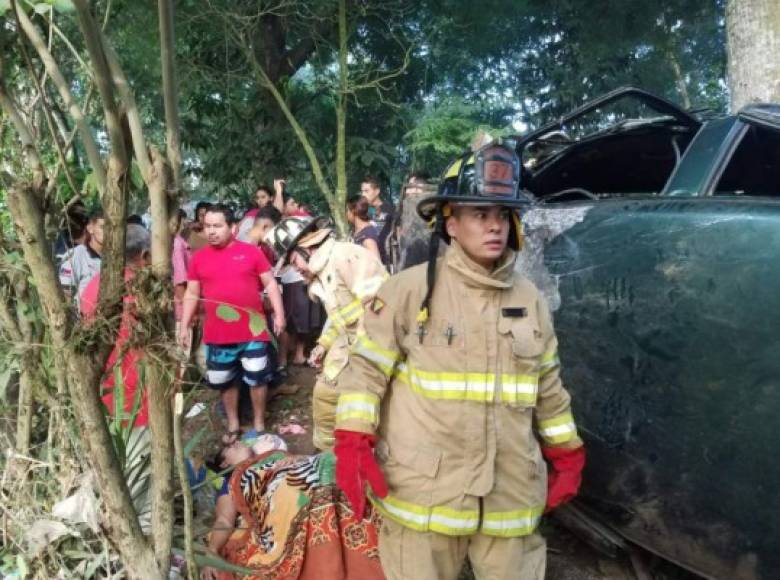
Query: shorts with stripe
[226, 362]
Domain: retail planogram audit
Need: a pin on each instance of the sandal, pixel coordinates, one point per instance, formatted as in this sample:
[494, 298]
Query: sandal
[249, 437]
[231, 437]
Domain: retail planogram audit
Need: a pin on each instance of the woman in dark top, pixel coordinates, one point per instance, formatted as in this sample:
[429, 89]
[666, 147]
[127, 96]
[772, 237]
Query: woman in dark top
[363, 231]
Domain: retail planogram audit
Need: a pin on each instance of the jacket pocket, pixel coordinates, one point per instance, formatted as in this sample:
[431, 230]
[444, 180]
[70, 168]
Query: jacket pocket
[525, 336]
[410, 471]
[523, 345]
[421, 460]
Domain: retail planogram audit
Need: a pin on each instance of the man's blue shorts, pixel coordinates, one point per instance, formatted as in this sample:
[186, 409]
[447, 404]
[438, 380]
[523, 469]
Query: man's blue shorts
[224, 362]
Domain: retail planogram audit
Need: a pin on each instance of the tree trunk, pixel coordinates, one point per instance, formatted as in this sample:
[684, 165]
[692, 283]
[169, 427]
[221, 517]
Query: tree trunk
[158, 389]
[24, 413]
[159, 383]
[753, 30]
[170, 90]
[679, 77]
[338, 212]
[84, 374]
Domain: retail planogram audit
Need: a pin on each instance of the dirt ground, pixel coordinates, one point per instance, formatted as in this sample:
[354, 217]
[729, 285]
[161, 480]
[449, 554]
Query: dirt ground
[568, 557]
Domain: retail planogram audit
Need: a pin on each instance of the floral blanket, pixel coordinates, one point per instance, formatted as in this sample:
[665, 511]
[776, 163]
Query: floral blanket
[296, 524]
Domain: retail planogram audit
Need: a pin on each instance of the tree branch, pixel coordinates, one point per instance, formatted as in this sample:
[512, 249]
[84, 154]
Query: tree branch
[8, 323]
[25, 135]
[341, 123]
[102, 74]
[48, 116]
[131, 110]
[90, 145]
[300, 133]
[170, 90]
[114, 197]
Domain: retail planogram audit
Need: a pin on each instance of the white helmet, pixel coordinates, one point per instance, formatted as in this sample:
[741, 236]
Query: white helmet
[291, 231]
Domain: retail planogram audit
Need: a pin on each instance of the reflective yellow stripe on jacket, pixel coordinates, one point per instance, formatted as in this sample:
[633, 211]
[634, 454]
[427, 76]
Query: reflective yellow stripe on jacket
[452, 522]
[329, 335]
[385, 360]
[358, 406]
[469, 386]
[549, 362]
[557, 430]
[515, 389]
[511, 524]
[347, 315]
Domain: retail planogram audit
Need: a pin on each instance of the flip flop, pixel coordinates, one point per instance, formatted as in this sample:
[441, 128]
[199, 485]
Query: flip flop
[230, 437]
[249, 437]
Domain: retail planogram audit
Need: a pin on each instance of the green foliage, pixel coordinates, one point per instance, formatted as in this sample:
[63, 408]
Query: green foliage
[445, 131]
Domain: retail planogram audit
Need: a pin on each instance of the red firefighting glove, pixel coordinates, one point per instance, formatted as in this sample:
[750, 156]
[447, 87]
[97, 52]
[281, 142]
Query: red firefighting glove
[565, 476]
[356, 466]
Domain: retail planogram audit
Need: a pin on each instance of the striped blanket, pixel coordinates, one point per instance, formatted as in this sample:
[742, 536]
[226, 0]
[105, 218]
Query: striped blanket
[296, 524]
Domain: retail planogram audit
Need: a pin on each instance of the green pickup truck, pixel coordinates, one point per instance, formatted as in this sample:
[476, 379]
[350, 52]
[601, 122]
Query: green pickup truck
[655, 235]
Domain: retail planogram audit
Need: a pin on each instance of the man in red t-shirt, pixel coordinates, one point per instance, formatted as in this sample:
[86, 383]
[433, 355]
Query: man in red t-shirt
[229, 276]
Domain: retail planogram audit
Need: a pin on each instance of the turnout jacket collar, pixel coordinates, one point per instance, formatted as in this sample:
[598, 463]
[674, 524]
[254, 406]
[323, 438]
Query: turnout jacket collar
[500, 278]
[321, 257]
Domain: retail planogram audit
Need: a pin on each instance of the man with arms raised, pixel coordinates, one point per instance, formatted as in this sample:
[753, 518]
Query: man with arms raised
[229, 276]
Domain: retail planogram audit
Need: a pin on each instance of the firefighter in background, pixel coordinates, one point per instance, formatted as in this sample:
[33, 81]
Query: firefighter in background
[343, 277]
[456, 384]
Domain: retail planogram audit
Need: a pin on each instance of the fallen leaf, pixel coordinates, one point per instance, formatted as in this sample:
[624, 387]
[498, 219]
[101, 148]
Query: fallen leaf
[42, 533]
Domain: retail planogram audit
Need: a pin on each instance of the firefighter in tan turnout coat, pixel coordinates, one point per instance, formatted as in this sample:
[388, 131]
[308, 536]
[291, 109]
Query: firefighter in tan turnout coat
[343, 277]
[454, 388]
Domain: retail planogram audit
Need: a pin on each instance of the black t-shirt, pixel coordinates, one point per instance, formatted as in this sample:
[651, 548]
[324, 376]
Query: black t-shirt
[384, 222]
[367, 233]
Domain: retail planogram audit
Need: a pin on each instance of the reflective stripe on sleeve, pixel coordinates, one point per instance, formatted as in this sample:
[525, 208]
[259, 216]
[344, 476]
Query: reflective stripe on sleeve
[329, 334]
[358, 406]
[385, 360]
[348, 314]
[557, 430]
[548, 362]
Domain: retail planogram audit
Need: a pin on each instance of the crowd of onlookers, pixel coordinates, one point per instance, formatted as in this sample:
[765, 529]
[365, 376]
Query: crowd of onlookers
[79, 248]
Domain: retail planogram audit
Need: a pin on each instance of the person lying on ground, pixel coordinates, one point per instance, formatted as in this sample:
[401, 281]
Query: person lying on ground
[283, 517]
